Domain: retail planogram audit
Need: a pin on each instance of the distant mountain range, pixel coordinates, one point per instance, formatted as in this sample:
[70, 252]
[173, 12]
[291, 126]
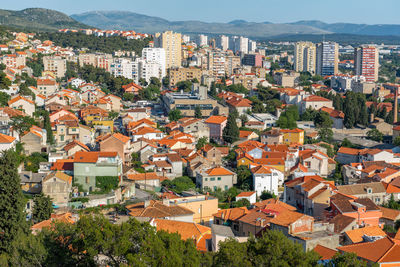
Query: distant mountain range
[124, 20]
[49, 20]
[38, 19]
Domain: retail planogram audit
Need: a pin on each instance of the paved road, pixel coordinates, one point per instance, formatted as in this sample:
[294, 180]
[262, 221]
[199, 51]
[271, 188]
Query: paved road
[142, 195]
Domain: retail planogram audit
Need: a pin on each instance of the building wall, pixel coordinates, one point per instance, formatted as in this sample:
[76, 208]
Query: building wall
[203, 209]
[58, 190]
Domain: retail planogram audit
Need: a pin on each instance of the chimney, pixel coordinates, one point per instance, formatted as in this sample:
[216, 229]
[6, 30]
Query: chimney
[396, 100]
[146, 203]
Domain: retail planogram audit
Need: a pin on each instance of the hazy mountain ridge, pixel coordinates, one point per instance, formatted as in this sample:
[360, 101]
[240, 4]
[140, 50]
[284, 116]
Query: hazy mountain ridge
[38, 19]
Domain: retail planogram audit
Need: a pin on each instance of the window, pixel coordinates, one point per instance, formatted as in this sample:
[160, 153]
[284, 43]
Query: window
[215, 188]
[87, 180]
[226, 187]
[206, 179]
[219, 179]
[369, 190]
[61, 138]
[212, 179]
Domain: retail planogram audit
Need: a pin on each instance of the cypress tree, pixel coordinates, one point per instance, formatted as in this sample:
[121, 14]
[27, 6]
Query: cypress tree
[11, 200]
[231, 131]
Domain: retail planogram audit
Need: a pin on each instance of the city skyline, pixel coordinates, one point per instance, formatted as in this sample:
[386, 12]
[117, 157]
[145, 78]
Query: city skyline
[260, 11]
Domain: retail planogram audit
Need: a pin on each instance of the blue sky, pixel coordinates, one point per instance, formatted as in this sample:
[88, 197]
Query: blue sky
[354, 11]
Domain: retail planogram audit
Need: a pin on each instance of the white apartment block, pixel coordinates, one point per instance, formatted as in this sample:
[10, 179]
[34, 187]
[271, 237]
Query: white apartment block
[55, 64]
[155, 55]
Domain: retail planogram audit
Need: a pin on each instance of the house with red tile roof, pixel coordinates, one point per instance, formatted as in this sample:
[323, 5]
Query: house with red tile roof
[336, 116]
[119, 143]
[364, 210]
[34, 140]
[315, 102]
[7, 142]
[22, 103]
[214, 178]
[251, 196]
[216, 125]
[75, 146]
[200, 234]
[132, 88]
[385, 251]
[310, 194]
[267, 179]
[54, 218]
[47, 87]
[90, 165]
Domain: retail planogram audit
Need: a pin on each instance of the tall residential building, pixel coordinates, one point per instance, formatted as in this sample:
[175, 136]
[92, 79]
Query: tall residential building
[125, 67]
[223, 42]
[327, 58]
[55, 64]
[185, 39]
[216, 63]
[155, 55]
[304, 57]
[202, 40]
[102, 61]
[366, 62]
[252, 46]
[172, 44]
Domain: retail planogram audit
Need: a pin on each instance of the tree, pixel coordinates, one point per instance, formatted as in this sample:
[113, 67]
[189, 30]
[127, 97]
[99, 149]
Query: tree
[179, 184]
[165, 81]
[375, 135]
[197, 112]
[143, 82]
[22, 123]
[267, 195]
[11, 200]
[325, 134]
[288, 118]
[243, 119]
[244, 178]
[42, 208]
[213, 90]
[201, 142]
[175, 115]
[272, 249]
[230, 133]
[185, 86]
[323, 120]
[396, 141]
[4, 98]
[242, 203]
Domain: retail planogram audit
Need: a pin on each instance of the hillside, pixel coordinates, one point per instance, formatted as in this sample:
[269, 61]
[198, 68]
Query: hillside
[351, 28]
[123, 20]
[38, 19]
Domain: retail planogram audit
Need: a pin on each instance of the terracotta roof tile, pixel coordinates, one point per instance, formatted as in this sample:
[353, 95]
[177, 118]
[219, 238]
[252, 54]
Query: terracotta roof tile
[356, 235]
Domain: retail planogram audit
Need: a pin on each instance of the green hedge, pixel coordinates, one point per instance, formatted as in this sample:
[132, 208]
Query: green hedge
[106, 183]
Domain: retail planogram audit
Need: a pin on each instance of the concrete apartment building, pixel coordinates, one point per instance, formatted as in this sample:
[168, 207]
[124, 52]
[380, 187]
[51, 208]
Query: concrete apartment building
[182, 74]
[327, 58]
[305, 57]
[286, 79]
[232, 62]
[171, 42]
[254, 60]
[55, 64]
[98, 60]
[223, 42]
[216, 63]
[366, 62]
[152, 54]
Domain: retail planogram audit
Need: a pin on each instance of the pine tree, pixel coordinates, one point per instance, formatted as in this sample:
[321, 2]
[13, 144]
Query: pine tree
[213, 90]
[42, 208]
[11, 200]
[197, 112]
[231, 130]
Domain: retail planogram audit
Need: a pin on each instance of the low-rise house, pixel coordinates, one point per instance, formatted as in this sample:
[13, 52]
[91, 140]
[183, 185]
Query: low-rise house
[119, 143]
[214, 178]
[220, 233]
[147, 180]
[294, 136]
[90, 165]
[216, 124]
[266, 179]
[22, 103]
[230, 217]
[250, 196]
[310, 194]
[67, 218]
[212, 153]
[147, 133]
[73, 147]
[363, 234]
[34, 140]
[336, 116]
[196, 127]
[198, 233]
[57, 185]
[160, 210]
[31, 182]
[375, 191]
[167, 165]
[364, 210]
[47, 87]
[315, 102]
[389, 216]
[7, 142]
[248, 135]
[385, 251]
[273, 137]
[318, 162]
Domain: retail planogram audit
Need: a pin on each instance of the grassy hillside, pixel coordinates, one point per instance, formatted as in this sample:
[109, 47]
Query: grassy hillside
[38, 19]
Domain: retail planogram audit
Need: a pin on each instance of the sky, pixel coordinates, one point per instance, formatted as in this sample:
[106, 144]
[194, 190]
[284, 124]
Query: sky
[276, 11]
